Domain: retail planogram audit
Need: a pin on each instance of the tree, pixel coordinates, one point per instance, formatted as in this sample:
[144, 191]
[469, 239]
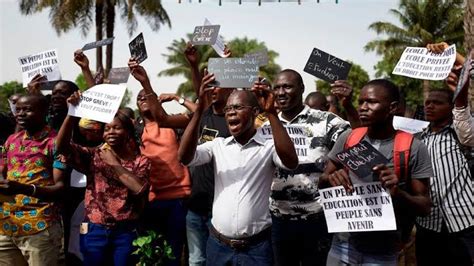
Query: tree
[7, 89]
[469, 37]
[239, 46]
[357, 78]
[65, 15]
[422, 22]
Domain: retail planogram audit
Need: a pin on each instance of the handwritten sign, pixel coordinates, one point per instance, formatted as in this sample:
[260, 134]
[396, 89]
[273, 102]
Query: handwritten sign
[99, 103]
[219, 45]
[463, 77]
[234, 72]
[12, 106]
[409, 125]
[420, 63]
[44, 63]
[138, 49]
[361, 158]
[368, 208]
[119, 75]
[261, 56]
[96, 44]
[327, 67]
[205, 35]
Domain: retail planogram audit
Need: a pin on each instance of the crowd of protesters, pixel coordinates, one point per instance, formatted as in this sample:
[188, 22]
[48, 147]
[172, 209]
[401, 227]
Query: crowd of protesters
[79, 192]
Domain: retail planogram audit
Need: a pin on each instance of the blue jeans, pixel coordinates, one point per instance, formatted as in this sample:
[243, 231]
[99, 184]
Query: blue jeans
[106, 246]
[168, 218]
[219, 254]
[300, 242]
[197, 229]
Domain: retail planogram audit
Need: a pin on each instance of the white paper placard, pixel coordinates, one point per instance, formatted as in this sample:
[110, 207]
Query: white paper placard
[368, 208]
[99, 103]
[409, 125]
[420, 63]
[44, 63]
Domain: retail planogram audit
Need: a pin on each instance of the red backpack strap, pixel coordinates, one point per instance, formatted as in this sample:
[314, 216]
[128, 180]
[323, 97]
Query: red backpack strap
[401, 154]
[356, 135]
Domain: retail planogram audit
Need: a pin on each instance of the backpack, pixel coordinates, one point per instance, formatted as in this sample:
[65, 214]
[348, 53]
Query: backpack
[401, 159]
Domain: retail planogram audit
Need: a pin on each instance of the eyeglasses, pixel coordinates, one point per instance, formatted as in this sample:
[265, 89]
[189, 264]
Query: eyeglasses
[235, 107]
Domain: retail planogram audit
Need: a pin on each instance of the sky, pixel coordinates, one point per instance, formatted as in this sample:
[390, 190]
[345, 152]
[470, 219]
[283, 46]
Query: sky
[290, 29]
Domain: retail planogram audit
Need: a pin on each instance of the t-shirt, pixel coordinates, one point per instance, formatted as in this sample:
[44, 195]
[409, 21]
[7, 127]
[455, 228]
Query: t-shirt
[169, 179]
[295, 193]
[29, 160]
[419, 167]
[202, 176]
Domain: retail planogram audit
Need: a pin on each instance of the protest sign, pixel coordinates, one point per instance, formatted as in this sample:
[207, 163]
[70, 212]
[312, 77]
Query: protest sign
[205, 35]
[463, 77]
[261, 56]
[327, 67]
[119, 75]
[299, 135]
[368, 208]
[361, 158]
[233, 72]
[138, 49]
[99, 103]
[219, 45]
[409, 125]
[12, 106]
[44, 63]
[420, 63]
[96, 44]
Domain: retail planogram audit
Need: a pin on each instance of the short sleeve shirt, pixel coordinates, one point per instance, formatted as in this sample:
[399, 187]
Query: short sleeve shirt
[29, 159]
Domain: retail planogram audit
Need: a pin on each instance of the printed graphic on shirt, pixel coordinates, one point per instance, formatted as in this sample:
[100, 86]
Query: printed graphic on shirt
[208, 134]
[295, 193]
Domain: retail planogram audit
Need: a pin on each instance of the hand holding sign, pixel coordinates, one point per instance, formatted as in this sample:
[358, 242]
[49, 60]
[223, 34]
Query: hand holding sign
[137, 71]
[343, 91]
[191, 54]
[205, 89]
[388, 178]
[340, 178]
[81, 59]
[35, 84]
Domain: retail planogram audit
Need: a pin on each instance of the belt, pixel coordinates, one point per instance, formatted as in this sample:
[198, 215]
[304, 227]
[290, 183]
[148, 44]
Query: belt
[241, 243]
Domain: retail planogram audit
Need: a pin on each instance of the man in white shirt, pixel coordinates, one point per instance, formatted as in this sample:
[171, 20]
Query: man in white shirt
[243, 168]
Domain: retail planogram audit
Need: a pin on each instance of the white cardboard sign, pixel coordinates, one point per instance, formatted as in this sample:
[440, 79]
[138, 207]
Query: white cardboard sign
[99, 103]
[368, 208]
[420, 63]
[44, 63]
[409, 125]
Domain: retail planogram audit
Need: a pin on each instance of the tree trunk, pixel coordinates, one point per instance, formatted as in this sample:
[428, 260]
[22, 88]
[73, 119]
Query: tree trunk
[426, 89]
[99, 8]
[109, 29]
[469, 39]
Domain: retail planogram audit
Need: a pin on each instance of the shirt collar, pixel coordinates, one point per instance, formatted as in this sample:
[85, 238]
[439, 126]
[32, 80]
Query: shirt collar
[38, 135]
[257, 138]
[427, 131]
[303, 112]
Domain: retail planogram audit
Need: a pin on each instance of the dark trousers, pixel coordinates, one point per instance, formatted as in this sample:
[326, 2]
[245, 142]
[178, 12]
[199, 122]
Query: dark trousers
[219, 254]
[444, 248]
[300, 242]
[109, 246]
[168, 218]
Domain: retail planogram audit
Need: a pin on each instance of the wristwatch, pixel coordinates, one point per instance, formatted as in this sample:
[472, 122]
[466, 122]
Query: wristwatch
[181, 100]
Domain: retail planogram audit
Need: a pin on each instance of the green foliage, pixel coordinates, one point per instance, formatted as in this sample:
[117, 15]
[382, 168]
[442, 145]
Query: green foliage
[81, 82]
[239, 46]
[127, 97]
[7, 89]
[357, 78]
[152, 249]
[421, 23]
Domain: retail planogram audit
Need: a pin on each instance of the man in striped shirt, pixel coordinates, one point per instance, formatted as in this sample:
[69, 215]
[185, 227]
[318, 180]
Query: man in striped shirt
[446, 236]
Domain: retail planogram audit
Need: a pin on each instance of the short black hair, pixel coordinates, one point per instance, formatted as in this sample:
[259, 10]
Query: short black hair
[71, 85]
[297, 75]
[389, 87]
[40, 101]
[316, 95]
[250, 97]
[449, 93]
[128, 111]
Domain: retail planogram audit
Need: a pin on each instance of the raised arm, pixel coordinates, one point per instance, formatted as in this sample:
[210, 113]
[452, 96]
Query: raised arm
[165, 120]
[192, 56]
[83, 62]
[283, 144]
[190, 137]
[343, 91]
[167, 97]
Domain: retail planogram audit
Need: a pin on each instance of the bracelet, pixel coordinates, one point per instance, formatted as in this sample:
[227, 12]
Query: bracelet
[34, 189]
